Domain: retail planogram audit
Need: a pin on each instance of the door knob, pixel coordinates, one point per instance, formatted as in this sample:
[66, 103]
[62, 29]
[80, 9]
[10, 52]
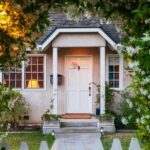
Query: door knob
[89, 91]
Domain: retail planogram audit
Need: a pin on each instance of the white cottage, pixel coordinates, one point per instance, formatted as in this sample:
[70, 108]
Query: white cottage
[70, 56]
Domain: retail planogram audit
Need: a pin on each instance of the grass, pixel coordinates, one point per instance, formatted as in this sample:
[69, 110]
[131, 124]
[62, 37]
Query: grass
[125, 139]
[33, 139]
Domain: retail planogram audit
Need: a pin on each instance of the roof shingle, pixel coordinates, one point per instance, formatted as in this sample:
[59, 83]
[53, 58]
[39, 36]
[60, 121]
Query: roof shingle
[61, 21]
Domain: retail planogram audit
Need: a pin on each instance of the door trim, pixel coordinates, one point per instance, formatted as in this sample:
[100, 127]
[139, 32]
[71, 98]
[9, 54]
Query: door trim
[65, 73]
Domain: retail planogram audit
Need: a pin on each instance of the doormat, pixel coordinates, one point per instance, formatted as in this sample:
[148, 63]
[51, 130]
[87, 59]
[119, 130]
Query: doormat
[77, 116]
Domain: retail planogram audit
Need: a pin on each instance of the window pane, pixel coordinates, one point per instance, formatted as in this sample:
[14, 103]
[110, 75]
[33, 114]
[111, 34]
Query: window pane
[40, 60]
[12, 83]
[28, 68]
[34, 60]
[116, 75]
[12, 76]
[28, 76]
[27, 83]
[117, 84]
[18, 84]
[111, 76]
[6, 76]
[34, 75]
[117, 68]
[18, 76]
[111, 69]
[40, 68]
[34, 68]
[6, 83]
[40, 76]
[41, 84]
[111, 83]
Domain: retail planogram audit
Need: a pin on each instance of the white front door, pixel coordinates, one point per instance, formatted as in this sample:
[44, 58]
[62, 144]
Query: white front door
[79, 88]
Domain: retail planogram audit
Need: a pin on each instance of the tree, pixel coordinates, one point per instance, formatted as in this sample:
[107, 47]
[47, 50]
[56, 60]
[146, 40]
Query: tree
[21, 22]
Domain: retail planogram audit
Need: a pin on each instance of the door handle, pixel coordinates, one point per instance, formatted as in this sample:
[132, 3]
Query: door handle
[89, 91]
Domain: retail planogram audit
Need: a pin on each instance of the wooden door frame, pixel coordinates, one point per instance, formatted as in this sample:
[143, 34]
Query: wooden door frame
[65, 87]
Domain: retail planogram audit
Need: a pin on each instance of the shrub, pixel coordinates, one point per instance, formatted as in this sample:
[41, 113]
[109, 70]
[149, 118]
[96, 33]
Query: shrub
[48, 116]
[106, 116]
[13, 106]
[128, 111]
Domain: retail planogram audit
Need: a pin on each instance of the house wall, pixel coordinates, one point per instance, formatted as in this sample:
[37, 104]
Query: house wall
[40, 99]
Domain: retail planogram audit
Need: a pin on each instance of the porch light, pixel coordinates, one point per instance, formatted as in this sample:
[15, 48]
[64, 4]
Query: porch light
[102, 131]
[53, 133]
[33, 84]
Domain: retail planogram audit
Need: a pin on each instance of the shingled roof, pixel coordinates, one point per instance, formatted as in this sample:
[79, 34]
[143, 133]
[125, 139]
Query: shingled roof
[61, 21]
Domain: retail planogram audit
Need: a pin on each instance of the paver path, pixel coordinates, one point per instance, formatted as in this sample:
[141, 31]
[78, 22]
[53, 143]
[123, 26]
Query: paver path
[80, 141]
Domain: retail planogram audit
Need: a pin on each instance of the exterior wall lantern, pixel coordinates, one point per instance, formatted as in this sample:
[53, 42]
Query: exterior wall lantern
[60, 78]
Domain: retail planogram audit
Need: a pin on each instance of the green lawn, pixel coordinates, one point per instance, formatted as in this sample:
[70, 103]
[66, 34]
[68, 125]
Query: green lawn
[33, 140]
[125, 139]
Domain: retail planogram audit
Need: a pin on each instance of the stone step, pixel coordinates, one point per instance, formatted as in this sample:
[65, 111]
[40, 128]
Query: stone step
[78, 122]
[78, 130]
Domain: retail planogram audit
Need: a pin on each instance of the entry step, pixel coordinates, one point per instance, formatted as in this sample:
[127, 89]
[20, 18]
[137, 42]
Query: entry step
[78, 122]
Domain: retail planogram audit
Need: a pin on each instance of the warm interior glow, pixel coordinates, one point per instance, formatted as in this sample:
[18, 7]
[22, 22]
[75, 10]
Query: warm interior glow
[4, 82]
[33, 84]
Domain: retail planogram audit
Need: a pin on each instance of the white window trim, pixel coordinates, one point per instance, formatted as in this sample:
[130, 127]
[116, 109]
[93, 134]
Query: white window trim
[121, 70]
[23, 75]
[1, 80]
[23, 71]
[0, 77]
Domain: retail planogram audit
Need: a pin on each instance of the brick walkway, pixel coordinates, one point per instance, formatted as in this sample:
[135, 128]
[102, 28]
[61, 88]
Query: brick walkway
[80, 141]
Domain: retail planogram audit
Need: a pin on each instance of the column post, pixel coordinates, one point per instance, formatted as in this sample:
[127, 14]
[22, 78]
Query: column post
[55, 85]
[102, 80]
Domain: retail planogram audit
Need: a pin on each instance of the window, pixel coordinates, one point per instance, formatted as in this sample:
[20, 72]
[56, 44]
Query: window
[113, 71]
[30, 76]
[34, 72]
[12, 78]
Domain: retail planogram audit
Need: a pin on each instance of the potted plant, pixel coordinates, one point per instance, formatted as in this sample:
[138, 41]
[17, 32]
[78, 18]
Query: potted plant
[51, 121]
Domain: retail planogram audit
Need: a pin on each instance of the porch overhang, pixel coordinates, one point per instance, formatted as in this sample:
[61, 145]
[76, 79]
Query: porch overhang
[51, 37]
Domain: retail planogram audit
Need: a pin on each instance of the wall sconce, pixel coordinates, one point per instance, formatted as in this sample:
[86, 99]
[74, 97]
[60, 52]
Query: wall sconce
[33, 84]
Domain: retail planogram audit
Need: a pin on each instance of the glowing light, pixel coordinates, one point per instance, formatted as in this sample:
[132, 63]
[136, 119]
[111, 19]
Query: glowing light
[33, 84]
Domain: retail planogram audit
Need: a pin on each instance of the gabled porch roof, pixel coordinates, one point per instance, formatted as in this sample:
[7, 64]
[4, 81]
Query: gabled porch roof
[61, 24]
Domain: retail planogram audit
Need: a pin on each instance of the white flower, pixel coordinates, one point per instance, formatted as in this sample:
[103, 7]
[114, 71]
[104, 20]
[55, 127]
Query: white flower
[137, 120]
[146, 37]
[148, 128]
[130, 105]
[143, 92]
[146, 80]
[142, 120]
[124, 121]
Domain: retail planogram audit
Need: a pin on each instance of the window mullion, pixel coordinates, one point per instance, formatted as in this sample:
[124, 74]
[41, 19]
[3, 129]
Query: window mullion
[23, 74]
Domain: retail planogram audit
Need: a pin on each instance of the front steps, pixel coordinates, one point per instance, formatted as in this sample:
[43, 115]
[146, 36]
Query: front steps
[78, 122]
[79, 126]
